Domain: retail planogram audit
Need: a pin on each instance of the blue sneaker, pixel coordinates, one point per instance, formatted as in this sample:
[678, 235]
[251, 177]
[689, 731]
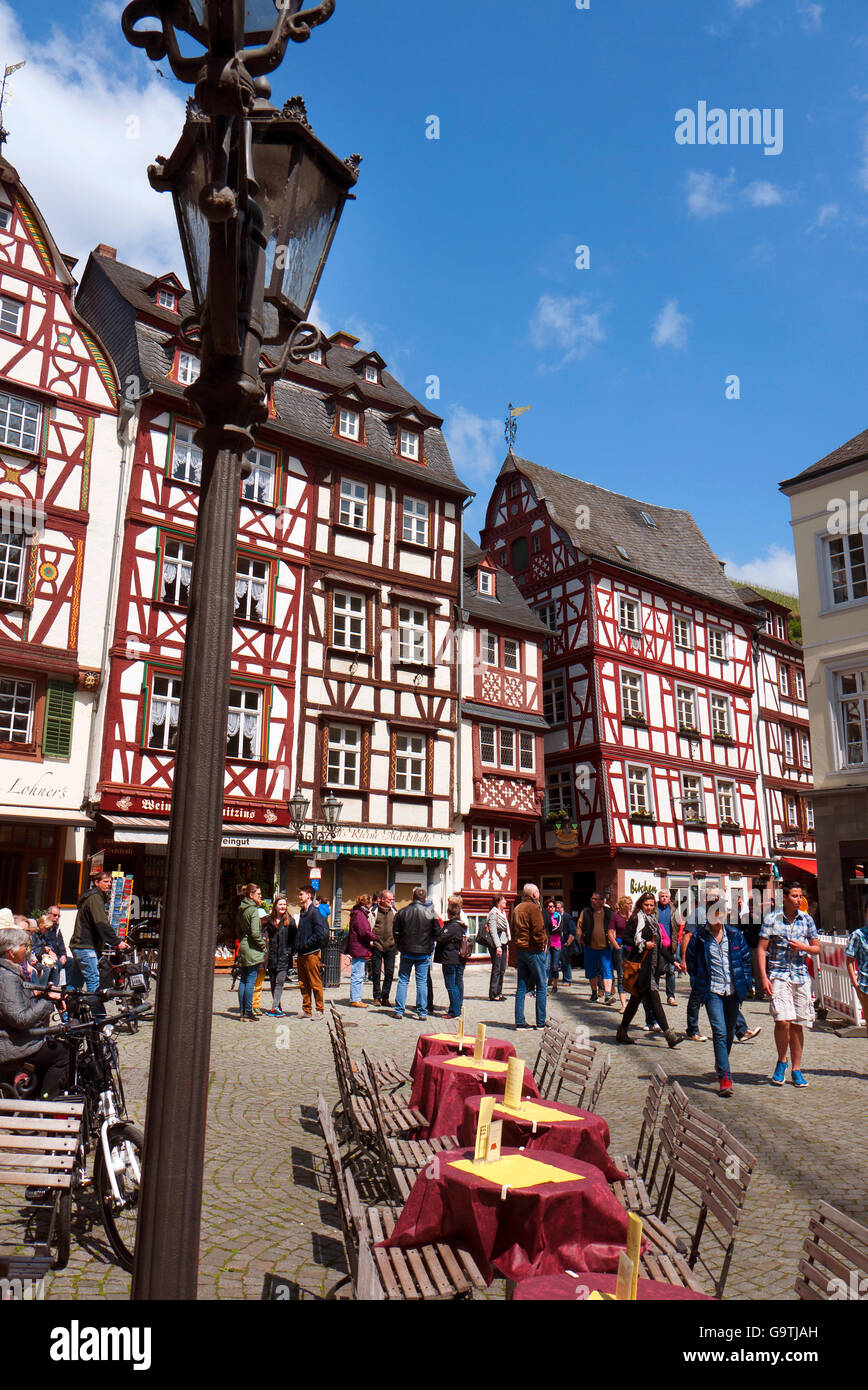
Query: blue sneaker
[799, 1079]
[779, 1075]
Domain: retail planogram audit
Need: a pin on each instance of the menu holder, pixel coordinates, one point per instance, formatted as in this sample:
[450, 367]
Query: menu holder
[495, 1136]
[634, 1249]
[479, 1046]
[624, 1281]
[461, 1025]
[483, 1129]
[514, 1080]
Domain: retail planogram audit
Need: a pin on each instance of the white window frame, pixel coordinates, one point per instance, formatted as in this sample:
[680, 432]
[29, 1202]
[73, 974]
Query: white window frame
[490, 647]
[725, 791]
[507, 748]
[410, 762]
[179, 553]
[860, 699]
[166, 299]
[783, 678]
[686, 712]
[353, 504]
[800, 683]
[511, 654]
[414, 636]
[414, 529]
[526, 752]
[250, 575]
[408, 444]
[781, 627]
[488, 736]
[344, 758]
[692, 796]
[315, 356]
[687, 645]
[854, 552]
[371, 373]
[349, 423]
[349, 620]
[791, 811]
[5, 218]
[548, 615]
[626, 607]
[500, 842]
[189, 368]
[20, 423]
[769, 621]
[485, 583]
[258, 485]
[639, 777]
[186, 465]
[809, 815]
[805, 748]
[720, 704]
[13, 566]
[560, 781]
[480, 842]
[554, 693]
[632, 695]
[247, 705]
[789, 746]
[22, 704]
[169, 694]
[718, 637]
[11, 315]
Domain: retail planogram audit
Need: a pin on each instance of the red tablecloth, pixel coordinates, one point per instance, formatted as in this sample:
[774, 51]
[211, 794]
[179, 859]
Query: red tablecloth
[584, 1135]
[543, 1229]
[432, 1045]
[554, 1288]
[440, 1090]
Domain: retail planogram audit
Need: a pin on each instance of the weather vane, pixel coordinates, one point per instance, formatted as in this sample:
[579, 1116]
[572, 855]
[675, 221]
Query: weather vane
[12, 67]
[510, 428]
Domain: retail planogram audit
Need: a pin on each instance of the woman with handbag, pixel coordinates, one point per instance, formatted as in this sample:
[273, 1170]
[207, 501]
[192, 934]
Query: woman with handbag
[494, 935]
[618, 925]
[646, 961]
[454, 949]
[361, 939]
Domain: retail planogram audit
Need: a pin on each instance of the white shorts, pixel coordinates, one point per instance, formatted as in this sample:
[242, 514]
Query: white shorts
[792, 1003]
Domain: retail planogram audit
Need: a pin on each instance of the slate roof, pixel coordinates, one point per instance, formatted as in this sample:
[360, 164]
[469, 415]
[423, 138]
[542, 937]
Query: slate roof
[674, 551]
[855, 449]
[142, 341]
[752, 597]
[507, 606]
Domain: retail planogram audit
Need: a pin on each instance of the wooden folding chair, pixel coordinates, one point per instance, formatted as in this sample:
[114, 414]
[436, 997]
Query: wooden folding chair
[552, 1042]
[599, 1082]
[834, 1261]
[631, 1191]
[390, 1075]
[401, 1158]
[573, 1072]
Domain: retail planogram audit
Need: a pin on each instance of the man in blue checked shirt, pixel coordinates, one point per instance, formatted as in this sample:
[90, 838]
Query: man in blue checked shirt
[787, 938]
[856, 956]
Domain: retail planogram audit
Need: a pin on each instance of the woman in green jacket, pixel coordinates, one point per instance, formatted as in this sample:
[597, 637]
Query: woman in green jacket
[251, 949]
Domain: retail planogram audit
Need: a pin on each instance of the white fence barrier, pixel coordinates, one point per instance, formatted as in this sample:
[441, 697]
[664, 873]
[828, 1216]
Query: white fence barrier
[832, 978]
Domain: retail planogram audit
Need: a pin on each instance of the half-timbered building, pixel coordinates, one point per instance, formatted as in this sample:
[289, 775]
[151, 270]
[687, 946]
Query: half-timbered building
[59, 480]
[651, 775]
[783, 738]
[501, 789]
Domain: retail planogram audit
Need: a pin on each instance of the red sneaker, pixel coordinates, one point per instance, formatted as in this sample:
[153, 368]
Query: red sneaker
[726, 1085]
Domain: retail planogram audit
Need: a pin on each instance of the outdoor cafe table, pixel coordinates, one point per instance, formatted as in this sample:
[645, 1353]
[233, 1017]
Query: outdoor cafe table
[524, 1214]
[547, 1124]
[551, 1288]
[442, 1085]
[449, 1045]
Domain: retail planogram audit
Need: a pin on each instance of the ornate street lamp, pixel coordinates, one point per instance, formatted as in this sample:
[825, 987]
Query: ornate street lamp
[318, 834]
[258, 199]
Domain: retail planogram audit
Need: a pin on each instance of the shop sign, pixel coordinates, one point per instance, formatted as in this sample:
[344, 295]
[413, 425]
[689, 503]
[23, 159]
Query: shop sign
[42, 788]
[637, 885]
[248, 812]
[370, 835]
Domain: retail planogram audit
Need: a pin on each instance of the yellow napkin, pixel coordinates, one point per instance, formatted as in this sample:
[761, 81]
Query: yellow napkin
[473, 1065]
[516, 1170]
[449, 1037]
[538, 1111]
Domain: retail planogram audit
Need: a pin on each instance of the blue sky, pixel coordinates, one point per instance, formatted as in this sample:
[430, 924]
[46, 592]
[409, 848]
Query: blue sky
[557, 129]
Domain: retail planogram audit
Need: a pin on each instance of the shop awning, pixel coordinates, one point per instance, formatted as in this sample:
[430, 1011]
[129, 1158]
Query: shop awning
[146, 830]
[380, 851]
[804, 866]
[53, 815]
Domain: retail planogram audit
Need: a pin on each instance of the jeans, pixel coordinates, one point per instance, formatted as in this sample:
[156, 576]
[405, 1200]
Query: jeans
[670, 981]
[246, 985]
[554, 964]
[88, 976]
[453, 979]
[383, 961]
[566, 963]
[618, 967]
[722, 1010]
[421, 965]
[357, 978]
[693, 1006]
[498, 970]
[277, 979]
[531, 966]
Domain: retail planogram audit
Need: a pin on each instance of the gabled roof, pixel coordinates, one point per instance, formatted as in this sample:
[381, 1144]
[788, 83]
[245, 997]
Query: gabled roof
[851, 452]
[506, 607]
[752, 597]
[673, 550]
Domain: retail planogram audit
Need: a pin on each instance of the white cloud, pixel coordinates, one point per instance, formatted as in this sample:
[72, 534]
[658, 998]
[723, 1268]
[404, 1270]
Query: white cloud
[745, 4]
[477, 445]
[670, 326]
[567, 325]
[86, 119]
[707, 195]
[810, 16]
[774, 570]
[827, 213]
[762, 194]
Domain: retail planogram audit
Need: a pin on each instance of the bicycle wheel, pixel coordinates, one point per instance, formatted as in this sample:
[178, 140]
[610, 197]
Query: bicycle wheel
[120, 1219]
[60, 1242]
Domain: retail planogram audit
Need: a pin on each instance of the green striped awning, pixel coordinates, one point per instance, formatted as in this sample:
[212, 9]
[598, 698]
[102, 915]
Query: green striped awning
[379, 851]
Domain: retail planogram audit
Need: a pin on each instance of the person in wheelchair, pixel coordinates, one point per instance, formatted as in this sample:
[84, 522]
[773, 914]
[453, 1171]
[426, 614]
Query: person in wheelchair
[20, 1011]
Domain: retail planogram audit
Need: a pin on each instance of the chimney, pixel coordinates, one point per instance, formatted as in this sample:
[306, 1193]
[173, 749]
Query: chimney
[343, 339]
[110, 252]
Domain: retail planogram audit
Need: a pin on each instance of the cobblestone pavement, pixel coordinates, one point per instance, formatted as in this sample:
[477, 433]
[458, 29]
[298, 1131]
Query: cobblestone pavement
[267, 1205]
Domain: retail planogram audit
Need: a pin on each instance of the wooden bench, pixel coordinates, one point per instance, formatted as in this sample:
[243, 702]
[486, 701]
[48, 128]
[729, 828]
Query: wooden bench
[39, 1147]
[834, 1263]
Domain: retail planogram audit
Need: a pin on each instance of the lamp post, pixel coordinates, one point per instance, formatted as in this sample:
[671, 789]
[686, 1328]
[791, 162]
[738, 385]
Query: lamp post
[258, 199]
[317, 834]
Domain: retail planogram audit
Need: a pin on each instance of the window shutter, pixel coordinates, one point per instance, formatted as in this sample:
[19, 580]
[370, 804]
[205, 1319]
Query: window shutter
[59, 711]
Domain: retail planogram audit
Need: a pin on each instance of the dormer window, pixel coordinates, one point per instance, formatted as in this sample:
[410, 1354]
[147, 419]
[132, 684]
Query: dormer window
[315, 356]
[188, 368]
[485, 583]
[408, 444]
[372, 374]
[348, 424]
[167, 299]
[5, 218]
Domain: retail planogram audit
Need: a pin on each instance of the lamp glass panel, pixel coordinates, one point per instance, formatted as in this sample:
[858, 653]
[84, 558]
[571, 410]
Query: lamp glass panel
[195, 230]
[331, 809]
[298, 805]
[260, 17]
[301, 200]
